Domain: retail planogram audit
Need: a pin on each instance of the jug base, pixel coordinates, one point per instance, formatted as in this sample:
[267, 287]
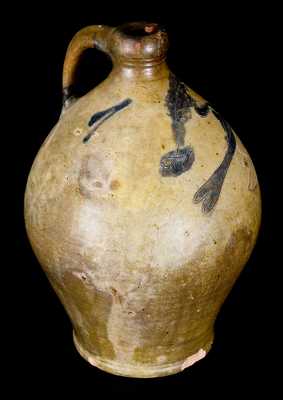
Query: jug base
[143, 371]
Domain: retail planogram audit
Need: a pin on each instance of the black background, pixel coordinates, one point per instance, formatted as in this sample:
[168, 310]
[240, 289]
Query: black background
[223, 53]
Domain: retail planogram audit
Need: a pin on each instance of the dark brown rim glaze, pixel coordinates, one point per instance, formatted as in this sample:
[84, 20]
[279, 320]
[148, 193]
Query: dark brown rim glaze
[139, 43]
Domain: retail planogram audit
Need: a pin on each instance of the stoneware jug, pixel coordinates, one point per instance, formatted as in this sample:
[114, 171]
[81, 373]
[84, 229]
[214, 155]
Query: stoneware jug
[142, 206]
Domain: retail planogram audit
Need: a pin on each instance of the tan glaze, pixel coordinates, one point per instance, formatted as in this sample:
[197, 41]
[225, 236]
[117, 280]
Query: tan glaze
[141, 270]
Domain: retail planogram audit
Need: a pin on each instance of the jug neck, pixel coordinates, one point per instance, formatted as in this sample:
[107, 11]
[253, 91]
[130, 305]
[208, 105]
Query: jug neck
[140, 72]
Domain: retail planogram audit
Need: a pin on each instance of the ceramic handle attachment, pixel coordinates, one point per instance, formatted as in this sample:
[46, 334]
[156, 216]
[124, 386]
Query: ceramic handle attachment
[88, 37]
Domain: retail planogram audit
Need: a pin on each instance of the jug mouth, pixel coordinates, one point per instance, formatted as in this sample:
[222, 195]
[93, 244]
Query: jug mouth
[139, 43]
[139, 29]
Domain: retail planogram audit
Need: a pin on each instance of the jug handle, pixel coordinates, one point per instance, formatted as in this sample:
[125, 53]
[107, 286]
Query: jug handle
[88, 37]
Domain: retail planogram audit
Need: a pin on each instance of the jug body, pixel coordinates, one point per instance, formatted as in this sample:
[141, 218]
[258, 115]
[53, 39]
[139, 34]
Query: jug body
[142, 206]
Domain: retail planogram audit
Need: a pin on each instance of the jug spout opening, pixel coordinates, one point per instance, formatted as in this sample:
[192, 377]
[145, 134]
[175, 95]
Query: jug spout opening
[139, 29]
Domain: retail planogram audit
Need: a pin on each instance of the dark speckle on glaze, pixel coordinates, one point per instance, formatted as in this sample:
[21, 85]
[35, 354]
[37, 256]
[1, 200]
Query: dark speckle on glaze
[202, 109]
